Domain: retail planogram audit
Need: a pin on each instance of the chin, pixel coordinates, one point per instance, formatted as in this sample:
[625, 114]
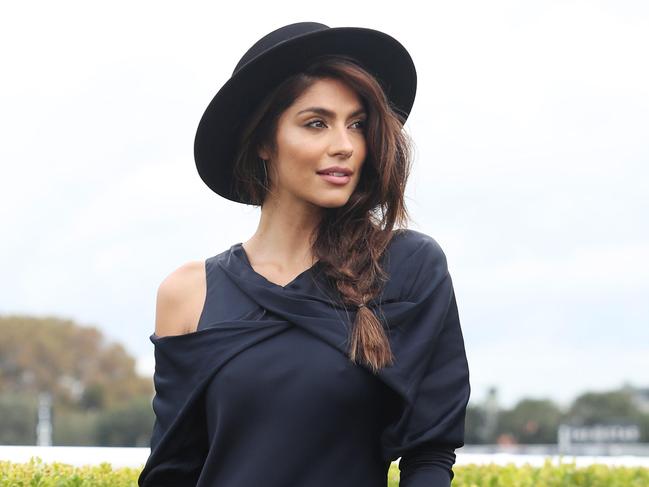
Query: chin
[331, 202]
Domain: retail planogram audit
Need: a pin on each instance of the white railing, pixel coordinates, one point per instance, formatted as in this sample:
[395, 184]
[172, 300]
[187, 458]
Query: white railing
[77, 455]
[136, 457]
[539, 460]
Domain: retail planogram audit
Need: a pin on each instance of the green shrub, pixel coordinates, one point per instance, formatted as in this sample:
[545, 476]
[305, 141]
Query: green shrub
[566, 474]
[38, 474]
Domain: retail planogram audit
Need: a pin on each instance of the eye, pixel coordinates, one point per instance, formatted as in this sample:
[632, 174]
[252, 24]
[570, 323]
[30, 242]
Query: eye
[310, 124]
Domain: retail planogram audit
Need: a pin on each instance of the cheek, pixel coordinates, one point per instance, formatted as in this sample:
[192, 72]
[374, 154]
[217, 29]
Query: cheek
[298, 156]
[362, 148]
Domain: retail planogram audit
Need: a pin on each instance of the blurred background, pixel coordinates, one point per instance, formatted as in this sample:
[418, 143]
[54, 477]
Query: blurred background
[531, 127]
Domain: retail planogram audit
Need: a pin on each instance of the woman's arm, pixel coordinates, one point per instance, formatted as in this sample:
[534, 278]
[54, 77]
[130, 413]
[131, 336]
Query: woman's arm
[428, 465]
[445, 391]
[434, 368]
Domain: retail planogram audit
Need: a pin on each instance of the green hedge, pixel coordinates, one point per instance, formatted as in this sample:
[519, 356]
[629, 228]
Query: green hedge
[38, 474]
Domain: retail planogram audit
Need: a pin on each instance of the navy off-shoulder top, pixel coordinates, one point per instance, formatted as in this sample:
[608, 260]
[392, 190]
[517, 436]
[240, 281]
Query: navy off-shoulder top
[263, 393]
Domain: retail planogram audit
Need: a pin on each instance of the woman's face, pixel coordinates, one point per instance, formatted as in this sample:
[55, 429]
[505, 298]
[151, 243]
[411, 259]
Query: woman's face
[323, 128]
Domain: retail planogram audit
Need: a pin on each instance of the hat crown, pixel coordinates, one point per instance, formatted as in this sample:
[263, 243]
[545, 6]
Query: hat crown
[276, 37]
[271, 60]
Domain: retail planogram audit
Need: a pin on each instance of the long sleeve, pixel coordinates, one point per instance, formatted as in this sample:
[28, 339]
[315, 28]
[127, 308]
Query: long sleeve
[430, 425]
[429, 465]
[176, 459]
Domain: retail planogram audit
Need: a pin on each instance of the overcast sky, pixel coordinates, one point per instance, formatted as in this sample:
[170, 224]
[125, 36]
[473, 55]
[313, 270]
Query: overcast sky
[531, 126]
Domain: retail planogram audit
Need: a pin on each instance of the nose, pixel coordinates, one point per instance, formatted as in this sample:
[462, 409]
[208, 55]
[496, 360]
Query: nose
[341, 142]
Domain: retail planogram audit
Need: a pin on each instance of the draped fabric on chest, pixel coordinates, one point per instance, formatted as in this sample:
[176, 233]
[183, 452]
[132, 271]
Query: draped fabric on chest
[430, 376]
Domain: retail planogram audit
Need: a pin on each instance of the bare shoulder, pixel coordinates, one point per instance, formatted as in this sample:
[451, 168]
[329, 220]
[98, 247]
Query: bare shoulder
[180, 300]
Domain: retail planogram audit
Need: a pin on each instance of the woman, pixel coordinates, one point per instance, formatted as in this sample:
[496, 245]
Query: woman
[328, 344]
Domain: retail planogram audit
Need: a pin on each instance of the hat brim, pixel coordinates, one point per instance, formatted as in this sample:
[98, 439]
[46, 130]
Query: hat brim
[216, 138]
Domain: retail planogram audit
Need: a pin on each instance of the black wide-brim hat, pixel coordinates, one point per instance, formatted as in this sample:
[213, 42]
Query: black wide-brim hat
[271, 60]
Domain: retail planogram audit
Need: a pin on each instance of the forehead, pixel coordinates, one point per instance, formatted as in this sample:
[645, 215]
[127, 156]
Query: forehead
[328, 92]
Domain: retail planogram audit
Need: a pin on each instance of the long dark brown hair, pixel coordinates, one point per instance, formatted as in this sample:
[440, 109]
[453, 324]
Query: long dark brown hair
[352, 238]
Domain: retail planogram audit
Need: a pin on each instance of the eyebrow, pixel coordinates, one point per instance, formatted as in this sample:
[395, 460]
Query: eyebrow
[328, 113]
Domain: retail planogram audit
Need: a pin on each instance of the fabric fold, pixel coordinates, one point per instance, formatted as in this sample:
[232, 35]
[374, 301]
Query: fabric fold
[184, 366]
[429, 379]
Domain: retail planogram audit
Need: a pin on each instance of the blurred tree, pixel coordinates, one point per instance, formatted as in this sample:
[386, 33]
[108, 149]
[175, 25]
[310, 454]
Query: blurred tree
[642, 421]
[474, 426]
[72, 362]
[74, 427]
[87, 378]
[531, 421]
[128, 425]
[18, 418]
[92, 397]
[601, 407]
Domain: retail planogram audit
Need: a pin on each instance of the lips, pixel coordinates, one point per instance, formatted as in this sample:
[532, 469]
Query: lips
[336, 171]
[336, 180]
[333, 173]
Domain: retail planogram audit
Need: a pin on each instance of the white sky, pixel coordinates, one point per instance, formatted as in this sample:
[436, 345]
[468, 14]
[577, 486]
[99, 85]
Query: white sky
[531, 125]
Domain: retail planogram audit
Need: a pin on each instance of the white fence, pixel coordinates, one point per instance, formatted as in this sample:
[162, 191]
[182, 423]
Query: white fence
[136, 457]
